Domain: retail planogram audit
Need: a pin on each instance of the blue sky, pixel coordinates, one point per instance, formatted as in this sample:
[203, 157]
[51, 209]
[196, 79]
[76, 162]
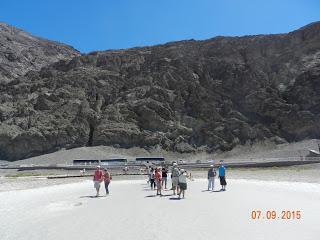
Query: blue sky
[113, 24]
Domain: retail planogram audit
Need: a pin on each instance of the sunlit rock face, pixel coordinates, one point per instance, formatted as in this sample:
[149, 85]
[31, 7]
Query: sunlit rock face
[183, 96]
[21, 52]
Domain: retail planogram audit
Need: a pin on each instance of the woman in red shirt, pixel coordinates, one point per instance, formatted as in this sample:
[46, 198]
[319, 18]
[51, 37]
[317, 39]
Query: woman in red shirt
[158, 179]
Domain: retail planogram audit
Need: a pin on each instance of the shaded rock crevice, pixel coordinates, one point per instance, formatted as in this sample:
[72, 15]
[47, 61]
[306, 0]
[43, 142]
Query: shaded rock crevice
[90, 137]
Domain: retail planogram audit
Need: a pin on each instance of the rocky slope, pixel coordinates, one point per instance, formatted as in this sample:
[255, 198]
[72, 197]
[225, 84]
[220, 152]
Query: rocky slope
[21, 52]
[183, 96]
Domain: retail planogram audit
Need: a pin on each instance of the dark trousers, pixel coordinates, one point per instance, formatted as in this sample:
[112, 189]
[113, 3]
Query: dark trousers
[223, 181]
[152, 183]
[106, 185]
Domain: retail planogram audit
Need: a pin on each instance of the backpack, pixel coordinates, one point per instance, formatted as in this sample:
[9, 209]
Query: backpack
[175, 172]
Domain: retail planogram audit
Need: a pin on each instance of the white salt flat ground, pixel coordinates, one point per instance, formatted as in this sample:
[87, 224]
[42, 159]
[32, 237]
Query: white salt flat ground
[131, 212]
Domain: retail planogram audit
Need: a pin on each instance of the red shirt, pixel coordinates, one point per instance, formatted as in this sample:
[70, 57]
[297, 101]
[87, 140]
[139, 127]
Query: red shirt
[158, 176]
[97, 175]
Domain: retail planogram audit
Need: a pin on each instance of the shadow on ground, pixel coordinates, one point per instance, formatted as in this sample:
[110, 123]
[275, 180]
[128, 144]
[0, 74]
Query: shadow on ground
[92, 196]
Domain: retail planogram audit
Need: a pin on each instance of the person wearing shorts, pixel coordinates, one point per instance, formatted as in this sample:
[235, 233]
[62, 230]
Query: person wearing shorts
[158, 180]
[222, 176]
[182, 182]
[175, 179]
[97, 179]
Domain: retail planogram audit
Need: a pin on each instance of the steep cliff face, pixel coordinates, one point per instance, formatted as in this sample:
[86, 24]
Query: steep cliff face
[21, 52]
[183, 96]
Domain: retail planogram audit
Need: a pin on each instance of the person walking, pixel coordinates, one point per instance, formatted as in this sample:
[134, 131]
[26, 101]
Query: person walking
[211, 177]
[97, 179]
[107, 179]
[152, 183]
[175, 178]
[182, 182]
[125, 170]
[158, 180]
[164, 178]
[149, 174]
[222, 176]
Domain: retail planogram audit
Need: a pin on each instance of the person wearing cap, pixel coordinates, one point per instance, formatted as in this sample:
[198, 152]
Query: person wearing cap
[97, 179]
[182, 182]
[107, 179]
[222, 176]
[175, 178]
[211, 176]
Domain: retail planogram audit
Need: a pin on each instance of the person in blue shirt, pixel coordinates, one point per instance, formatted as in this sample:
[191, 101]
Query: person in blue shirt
[222, 176]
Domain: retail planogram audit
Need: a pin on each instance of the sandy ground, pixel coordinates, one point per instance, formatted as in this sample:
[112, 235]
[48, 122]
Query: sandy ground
[39, 208]
[268, 149]
[69, 211]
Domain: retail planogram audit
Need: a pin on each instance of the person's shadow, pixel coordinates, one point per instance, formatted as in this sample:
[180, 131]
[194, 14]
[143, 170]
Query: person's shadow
[174, 198]
[92, 196]
[150, 196]
[212, 191]
[166, 195]
[163, 195]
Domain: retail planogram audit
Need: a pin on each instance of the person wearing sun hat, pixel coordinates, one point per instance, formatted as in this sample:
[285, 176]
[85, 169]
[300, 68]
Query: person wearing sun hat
[175, 178]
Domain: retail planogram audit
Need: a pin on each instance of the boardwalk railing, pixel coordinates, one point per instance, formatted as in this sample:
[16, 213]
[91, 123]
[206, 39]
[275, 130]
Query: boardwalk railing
[251, 162]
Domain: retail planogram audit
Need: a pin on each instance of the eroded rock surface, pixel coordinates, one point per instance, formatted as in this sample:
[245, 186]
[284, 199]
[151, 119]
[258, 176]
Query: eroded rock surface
[183, 96]
[21, 52]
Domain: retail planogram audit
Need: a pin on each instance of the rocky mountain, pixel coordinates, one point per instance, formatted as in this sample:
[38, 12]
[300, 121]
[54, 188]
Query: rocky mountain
[21, 52]
[183, 96]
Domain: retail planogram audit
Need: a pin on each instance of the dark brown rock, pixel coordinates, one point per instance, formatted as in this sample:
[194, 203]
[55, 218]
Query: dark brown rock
[183, 96]
[20, 52]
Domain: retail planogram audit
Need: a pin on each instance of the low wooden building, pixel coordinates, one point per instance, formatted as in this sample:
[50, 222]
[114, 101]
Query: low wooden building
[86, 162]
[113, 161]
[151, 160]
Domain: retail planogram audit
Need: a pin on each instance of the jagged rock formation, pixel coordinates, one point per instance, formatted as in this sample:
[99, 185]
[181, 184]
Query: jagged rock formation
[21, 52]
[183, 96]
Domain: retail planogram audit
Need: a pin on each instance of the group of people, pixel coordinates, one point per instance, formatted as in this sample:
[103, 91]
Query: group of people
[158, 178]
[101, 175]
